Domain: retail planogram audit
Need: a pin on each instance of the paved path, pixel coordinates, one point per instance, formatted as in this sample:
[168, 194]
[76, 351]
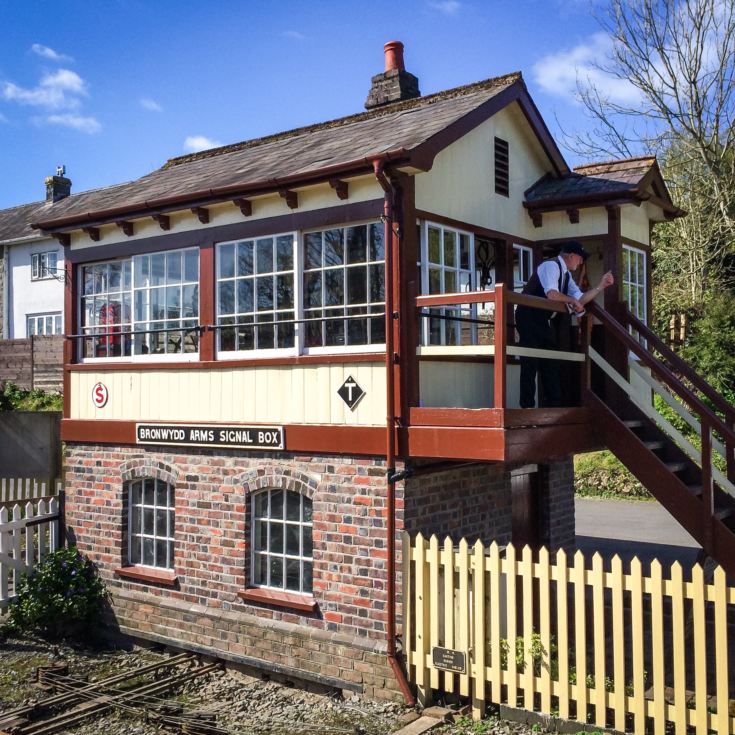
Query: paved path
[632, 528]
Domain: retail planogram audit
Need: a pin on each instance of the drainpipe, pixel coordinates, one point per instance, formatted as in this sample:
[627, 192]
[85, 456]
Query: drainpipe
[390, 444]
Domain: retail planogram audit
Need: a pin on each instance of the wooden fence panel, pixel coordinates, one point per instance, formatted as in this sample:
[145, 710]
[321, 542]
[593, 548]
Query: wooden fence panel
[16, 490]
[33, 362]
[620, 649]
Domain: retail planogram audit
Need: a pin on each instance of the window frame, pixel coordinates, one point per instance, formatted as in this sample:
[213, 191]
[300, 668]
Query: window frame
[40, 268]
[225, 355]
[170, 510]
[426, 267]
[57, 320]
[150, 357]
[522, 250]
[256, 551]
[376, 347]
[632, 253]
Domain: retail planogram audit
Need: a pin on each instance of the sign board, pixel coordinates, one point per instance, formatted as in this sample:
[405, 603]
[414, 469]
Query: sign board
[100, 395]
[448, 659]
[350, 392]
[211, 435]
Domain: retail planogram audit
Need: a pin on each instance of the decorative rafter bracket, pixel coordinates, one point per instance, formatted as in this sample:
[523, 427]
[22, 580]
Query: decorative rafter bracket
[127, 227]
[93, 233]
[573, 214]
[64, 238]
[202, 214]
[244, 205]
[341, 187]
[536, 218]
[291, 197]
[164, 221]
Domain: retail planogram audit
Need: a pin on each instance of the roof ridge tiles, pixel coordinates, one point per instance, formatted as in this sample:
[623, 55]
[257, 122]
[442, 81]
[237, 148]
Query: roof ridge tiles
[615, 162]
[405, 105]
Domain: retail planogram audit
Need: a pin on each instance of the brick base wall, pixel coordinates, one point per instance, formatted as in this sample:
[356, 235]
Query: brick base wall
[557, 502]
[212, 555]
[473, 502]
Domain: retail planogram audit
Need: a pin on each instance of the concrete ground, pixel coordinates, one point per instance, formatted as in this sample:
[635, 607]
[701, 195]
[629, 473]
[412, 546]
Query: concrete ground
[632, 528]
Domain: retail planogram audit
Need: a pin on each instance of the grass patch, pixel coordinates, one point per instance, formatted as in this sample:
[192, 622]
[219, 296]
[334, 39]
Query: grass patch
[13, 398]
[602, 475]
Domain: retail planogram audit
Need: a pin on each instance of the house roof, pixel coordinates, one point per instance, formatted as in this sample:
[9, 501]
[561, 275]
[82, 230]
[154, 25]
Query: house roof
[629, 178]
[15, 223]
[409, 132]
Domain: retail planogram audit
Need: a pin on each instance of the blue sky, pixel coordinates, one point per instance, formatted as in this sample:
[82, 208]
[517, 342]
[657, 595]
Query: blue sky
[113, 88]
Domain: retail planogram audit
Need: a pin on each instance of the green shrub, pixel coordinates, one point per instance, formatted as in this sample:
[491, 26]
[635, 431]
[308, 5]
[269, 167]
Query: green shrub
[601, 474]
[64, 592]
[13, 398]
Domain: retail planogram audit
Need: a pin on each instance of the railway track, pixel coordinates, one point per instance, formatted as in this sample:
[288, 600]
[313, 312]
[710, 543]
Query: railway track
[136, 692]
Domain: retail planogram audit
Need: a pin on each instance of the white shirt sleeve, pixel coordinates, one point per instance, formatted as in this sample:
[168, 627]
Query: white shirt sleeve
[548, 274]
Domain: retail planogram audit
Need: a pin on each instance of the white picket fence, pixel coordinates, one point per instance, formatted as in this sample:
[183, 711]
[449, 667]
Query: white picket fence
[24, 488]
[28, 533]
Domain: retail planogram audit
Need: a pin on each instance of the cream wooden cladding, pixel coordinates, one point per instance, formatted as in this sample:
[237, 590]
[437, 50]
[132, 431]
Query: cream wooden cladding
[273, 395]
[614, 649]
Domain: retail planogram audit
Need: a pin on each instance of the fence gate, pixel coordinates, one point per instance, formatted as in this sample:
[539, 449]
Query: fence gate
[619, 649]
[29, 531]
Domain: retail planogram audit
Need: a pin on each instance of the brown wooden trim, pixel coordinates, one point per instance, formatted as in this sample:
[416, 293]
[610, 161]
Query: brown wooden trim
[346, 359]
[537, 302]
[207, 311]
[202, 214]
[291, 198]
[536, 444]
[164, 221]
[448, 299]
[423, 155]
[456, 443]
[484, 417]
[411, 287]
[164, 577]
[440, 219]
[245, 206]
[500, 342]
[92, 232]
[70, 326]
[341, 213]
[563, 204]
[318, 438]
[277, 598]
[127, 227]
[514, 418]
[341, 187]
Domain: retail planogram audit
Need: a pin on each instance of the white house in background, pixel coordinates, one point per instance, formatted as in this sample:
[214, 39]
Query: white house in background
[31, 269]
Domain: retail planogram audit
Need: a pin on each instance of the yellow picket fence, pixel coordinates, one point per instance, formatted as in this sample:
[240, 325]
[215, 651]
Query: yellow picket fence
[623, 650]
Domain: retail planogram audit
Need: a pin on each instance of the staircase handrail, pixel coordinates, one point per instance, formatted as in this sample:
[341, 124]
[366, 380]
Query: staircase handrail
[668, 377]
[696, 380]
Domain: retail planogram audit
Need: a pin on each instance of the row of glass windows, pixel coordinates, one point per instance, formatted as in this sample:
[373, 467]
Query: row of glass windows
[333, 286]
[282, 555]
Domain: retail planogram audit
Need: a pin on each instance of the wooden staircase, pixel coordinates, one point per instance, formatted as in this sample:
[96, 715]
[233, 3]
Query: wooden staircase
[692, 472]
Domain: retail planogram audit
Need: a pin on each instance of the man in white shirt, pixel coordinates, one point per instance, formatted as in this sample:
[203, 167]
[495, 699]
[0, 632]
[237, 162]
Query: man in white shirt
[552, 280]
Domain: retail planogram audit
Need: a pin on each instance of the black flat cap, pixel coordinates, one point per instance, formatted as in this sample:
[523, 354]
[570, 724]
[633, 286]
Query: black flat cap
[575, 248]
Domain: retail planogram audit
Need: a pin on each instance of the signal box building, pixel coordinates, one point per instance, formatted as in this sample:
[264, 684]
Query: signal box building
[282, 353]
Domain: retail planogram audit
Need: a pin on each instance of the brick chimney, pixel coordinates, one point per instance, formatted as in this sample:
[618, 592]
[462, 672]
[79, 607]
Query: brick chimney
[58, 186]
[395, 83]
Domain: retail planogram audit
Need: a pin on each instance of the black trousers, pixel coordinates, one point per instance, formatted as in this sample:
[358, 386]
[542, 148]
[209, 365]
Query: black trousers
[535, 331]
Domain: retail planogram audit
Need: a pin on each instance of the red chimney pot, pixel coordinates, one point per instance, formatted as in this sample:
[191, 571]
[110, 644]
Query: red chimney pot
[393, 55]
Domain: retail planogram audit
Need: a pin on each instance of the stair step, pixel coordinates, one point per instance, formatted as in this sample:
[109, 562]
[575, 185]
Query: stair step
[695, 489]
[676, 466]
[633, 424]
[723, 513]
[654, 445]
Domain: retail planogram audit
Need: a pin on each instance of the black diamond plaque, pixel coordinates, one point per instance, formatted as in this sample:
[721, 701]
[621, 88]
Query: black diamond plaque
[350, 392]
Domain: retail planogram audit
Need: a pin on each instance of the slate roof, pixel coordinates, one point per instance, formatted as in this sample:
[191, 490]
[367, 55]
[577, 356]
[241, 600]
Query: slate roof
[395, 128]
[15, 223]
[607, 179]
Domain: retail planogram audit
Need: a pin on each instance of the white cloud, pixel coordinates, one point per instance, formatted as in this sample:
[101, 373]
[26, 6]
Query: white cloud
[194, 143]
[87, 125]
[296, 35]
[559, 73]
[448, 7]
[48, 53]
[57, 91]
[148, 104]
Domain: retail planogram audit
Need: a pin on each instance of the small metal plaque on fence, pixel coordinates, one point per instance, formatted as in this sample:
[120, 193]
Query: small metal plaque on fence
[448, 659]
